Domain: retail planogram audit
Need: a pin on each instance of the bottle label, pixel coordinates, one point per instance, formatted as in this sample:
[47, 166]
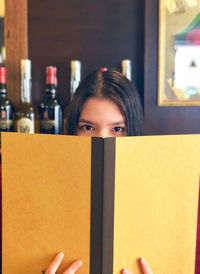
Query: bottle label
[3, 114]
[25, 125]
[47, 124]
[6, 125]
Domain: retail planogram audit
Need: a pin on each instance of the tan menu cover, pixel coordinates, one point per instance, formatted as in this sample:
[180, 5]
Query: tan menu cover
[156, 201]
[49, 179]
[62, 193]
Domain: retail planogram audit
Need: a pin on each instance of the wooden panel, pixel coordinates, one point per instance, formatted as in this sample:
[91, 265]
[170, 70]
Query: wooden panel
[162, 120]
[16, 44]
[99, 33]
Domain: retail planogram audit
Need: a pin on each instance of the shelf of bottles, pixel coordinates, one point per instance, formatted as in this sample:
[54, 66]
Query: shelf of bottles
[49, 117]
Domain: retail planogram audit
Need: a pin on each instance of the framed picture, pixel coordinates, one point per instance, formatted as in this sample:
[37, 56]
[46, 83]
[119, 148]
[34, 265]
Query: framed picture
[179, 53]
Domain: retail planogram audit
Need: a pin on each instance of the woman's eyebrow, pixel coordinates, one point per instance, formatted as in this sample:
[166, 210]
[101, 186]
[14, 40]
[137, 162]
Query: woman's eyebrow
[118, 123]
[85, 121]
[110, 124]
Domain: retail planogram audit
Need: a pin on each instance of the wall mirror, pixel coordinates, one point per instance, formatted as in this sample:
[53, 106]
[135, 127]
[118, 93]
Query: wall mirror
[179, 53]
[2, 46]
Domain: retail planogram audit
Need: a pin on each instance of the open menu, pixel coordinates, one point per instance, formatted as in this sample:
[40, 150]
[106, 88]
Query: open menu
[107, 201]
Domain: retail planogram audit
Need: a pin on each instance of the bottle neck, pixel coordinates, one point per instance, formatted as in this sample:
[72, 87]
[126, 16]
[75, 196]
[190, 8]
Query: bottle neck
[3, 90]
[25, 89]
[75, 80]
[127, 69]
[51, 81]
[51, 90]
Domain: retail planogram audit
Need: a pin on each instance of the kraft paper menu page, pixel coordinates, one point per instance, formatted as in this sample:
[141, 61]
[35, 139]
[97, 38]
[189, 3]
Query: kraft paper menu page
[49, 209]
[156, 202]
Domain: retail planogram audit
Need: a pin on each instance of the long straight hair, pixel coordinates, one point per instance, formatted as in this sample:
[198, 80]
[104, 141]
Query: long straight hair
[112, 85]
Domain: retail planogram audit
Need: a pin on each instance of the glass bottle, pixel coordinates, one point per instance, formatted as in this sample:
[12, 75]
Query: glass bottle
[50, 111]
[75, 78]
[26, 115]
[6, 106]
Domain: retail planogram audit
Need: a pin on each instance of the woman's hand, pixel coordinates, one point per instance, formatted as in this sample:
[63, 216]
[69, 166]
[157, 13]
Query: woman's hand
[144, 266]
[77, 264]
[56, 263]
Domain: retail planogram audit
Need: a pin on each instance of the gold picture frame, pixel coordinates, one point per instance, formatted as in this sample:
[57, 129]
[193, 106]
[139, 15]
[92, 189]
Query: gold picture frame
[179, 53]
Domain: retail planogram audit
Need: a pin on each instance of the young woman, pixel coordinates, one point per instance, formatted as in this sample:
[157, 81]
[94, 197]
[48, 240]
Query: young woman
[106, 104]
[100, 87]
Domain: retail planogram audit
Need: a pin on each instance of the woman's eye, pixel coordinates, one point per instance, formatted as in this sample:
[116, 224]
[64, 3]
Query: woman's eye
[118, 129]
[87, 127]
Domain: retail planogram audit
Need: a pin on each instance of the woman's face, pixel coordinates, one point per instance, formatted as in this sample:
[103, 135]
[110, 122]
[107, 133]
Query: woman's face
[100, 117]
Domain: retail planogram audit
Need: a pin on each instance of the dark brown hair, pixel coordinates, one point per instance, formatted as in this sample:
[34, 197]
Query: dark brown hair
[113, 85]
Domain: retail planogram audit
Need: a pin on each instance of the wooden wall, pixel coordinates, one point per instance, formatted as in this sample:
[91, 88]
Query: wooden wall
[16, 42]
[98, 33]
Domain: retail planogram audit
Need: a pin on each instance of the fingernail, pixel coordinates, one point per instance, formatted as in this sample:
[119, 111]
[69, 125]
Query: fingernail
[60, 255]
[79, 263]
[142, 260]
[125, 271]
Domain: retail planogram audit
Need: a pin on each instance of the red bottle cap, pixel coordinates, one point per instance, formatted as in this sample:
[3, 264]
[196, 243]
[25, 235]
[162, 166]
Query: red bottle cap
[104, 69]
[51, 75]
[2, 75]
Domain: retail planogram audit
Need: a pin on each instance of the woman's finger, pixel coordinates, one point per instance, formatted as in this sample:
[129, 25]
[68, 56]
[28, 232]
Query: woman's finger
[73, 267]
[125, 271]
[55, 264]
[145, 268]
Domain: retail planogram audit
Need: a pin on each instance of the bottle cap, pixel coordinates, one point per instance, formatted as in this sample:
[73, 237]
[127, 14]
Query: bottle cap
[104, 69]
[2, 75]
[26, 68]
[126, 62]
[51, 75]
[75, 64]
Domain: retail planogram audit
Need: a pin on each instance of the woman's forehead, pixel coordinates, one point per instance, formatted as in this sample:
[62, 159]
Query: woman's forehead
[96, 108]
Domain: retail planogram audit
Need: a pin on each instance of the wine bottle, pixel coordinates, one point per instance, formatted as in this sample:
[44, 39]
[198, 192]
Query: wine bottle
[6, 106]
[50, 111]
[75, 78]
[127, 68]
[26, 115]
